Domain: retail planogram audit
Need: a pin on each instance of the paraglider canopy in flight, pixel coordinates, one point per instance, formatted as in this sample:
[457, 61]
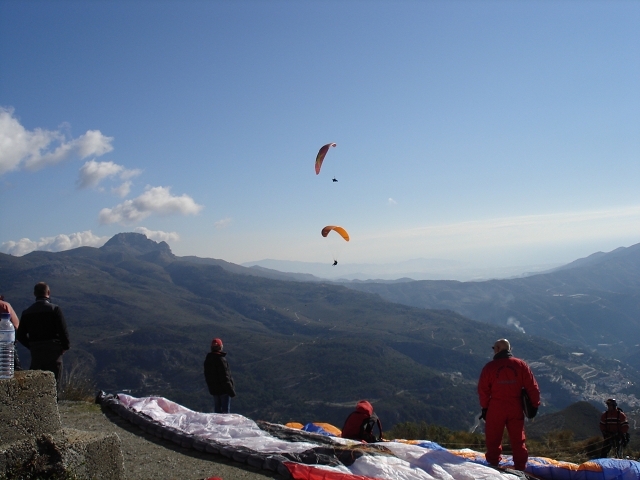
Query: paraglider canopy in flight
[321, 154]
[341, 231]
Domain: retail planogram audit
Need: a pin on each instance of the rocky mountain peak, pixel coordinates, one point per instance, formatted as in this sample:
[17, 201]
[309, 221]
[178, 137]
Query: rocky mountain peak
[135, 244]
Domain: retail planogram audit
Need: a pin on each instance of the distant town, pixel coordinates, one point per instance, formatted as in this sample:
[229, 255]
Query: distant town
[597, 387]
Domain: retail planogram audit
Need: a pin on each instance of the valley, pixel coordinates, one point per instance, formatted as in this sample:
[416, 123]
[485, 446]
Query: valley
[141, 320]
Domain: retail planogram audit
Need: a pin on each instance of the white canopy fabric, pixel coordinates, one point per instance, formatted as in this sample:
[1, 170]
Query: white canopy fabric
[408, 462]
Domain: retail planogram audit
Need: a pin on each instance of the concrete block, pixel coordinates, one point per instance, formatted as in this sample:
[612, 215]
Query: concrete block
[73, 453]
[16, 455]
[28, 406]
[33, 443]
[92, 455]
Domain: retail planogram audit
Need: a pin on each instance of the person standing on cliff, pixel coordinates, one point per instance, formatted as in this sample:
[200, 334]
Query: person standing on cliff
[614, 427]
[218, 377]
[500, 391]
[43, 331]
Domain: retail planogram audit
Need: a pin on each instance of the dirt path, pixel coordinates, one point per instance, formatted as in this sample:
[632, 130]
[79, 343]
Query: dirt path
[148, 457]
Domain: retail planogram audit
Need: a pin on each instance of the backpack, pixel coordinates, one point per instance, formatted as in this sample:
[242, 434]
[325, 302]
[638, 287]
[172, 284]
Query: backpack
[360, 424]
[527, 407]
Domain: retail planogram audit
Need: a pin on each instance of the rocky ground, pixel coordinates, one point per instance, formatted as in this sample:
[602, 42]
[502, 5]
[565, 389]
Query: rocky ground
[148, 457]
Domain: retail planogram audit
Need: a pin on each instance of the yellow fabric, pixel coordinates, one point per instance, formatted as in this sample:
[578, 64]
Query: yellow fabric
[295, 425]
[329, 428]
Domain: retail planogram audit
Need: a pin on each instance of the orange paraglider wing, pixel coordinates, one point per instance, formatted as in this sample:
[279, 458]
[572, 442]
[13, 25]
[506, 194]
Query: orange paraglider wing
[343, 233]
[321, 154]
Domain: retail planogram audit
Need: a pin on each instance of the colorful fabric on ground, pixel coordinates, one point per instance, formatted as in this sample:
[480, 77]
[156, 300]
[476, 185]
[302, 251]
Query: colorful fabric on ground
[547, 468]
[316, 457]
[229, 428]
[325, 429]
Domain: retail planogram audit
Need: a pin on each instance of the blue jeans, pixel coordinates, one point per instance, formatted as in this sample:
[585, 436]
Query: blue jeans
[222, 404]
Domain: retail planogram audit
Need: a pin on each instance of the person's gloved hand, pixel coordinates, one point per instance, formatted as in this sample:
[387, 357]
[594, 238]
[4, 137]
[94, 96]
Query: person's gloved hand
[483, 415]
[533, 411]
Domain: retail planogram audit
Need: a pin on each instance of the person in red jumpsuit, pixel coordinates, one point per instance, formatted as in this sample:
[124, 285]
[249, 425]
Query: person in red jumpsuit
[500, 391]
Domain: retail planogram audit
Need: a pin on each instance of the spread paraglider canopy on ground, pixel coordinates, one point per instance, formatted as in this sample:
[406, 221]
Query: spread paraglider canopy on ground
[321, 154]
[275, 447]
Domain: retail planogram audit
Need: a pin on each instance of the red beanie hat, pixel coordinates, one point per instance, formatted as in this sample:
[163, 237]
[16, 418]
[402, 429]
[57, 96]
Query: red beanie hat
[216, 342]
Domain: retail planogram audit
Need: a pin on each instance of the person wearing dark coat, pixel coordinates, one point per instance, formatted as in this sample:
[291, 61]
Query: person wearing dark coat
[614, 427]
[43, 331]
[218, 377]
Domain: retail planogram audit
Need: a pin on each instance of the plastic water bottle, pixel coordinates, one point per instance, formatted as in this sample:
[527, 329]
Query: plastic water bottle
[7, 339]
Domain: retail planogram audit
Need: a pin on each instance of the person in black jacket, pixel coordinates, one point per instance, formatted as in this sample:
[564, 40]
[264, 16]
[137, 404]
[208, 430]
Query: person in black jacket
[218, 377]
[43, 331]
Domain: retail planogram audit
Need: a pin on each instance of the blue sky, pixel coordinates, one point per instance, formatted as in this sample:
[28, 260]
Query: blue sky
[483, 132]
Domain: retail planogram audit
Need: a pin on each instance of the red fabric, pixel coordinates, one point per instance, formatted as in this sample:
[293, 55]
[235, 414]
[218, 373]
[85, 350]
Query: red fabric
[503, 379]
[354, 421]
[306, 472]
[364, 407]
[499, 415]
[500, 391]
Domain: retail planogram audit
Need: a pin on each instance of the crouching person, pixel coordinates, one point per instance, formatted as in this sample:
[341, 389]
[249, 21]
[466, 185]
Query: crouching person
[218, 376]
[361, 423]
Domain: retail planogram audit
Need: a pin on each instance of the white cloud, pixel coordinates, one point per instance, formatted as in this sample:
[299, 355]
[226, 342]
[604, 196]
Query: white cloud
[92, 173]
[224, 223]
[154, 200]
[392, 201]
[158, 235]
[523, 230]
[128, 174]
[124, 213]
[58, 243]
[520, 240]
[92, 143]
[123, 190]
[36, 149]
[16, 143]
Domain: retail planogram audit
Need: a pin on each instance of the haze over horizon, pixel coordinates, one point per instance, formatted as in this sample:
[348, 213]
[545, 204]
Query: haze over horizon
[490, 134]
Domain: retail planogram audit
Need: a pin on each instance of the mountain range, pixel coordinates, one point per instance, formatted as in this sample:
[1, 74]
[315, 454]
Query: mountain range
[591, 303]
[415, 269]
[582, 418]
[141, 321]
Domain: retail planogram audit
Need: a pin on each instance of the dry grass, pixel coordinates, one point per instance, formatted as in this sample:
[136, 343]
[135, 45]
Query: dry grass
[557, 445]
[77, 382]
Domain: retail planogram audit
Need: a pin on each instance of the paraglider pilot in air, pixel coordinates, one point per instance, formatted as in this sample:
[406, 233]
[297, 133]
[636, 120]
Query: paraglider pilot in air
[335, 179]
[340, 231]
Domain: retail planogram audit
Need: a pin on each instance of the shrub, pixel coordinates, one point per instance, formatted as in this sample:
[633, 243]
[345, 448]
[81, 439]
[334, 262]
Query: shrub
[77, 382]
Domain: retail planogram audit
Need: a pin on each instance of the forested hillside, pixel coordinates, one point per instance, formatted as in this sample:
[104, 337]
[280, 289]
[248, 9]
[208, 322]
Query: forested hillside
[591, 303]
